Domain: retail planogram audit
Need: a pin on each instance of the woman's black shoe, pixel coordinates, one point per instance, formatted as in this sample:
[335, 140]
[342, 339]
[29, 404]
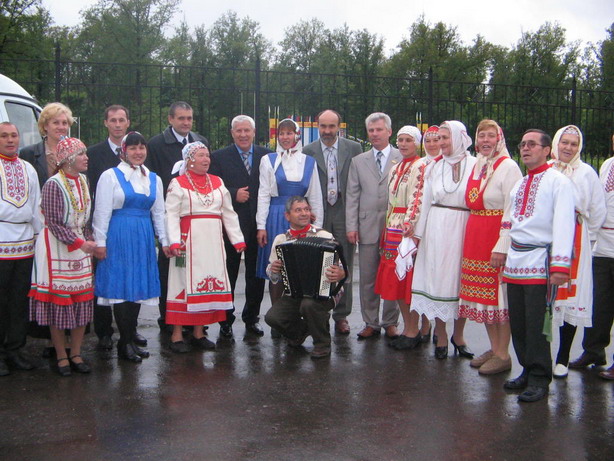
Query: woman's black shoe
[80, 367]
[462, 350]
[203, 343]
[179, 347]
[434, 339]
[441, 352]
[406, 342]
[65, 370]
[127, 352]
[424, 339]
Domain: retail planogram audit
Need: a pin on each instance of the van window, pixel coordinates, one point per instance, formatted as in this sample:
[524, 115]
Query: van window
[26, 119]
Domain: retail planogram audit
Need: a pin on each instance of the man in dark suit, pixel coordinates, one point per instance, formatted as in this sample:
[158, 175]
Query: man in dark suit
[163, 151]
[101, 157]
[333, 156]
[238, 165]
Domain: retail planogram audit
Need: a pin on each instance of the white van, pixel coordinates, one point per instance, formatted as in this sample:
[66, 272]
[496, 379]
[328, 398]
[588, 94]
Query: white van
[20, 108]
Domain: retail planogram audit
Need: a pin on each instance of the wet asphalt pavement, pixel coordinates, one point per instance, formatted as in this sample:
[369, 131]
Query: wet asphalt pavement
[257, 399]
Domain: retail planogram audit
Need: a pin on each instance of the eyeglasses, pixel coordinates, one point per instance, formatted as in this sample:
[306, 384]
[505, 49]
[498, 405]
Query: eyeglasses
[529, 144]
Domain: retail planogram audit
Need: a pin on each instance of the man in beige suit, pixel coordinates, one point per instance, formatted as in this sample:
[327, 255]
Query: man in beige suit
[333, 156]
[366, 204]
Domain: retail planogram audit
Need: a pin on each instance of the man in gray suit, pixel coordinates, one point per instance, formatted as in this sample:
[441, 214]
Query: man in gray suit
[367, 201]
[333, 156]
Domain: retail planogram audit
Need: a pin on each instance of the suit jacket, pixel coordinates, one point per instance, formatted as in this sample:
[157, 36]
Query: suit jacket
[163, 151]
[346, 151]
[100, 158]
[367, 195]
[37, 157]
[228, 165]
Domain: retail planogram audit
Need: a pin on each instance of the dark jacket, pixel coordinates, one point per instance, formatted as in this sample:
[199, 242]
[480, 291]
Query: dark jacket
[35, 155]
[100, 158]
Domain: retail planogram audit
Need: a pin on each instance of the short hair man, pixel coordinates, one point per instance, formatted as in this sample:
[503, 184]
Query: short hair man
[365, 215]
[239, 165]
[333, 156]
[20, 222]
[298, 318]
[540, 216]
[163, 151]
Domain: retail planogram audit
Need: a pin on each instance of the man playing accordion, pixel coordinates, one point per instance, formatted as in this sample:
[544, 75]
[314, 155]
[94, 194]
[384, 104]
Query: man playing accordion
[297, 318]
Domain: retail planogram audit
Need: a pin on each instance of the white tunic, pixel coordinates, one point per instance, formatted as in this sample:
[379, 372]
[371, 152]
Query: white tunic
[436, 282]
[20, 216]
[604, 246]
[541, 214]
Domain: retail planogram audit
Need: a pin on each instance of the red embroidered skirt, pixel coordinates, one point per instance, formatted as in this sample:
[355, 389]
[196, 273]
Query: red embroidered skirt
[387, 283]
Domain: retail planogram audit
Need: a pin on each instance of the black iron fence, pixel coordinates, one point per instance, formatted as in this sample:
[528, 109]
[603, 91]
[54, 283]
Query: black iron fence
[218, 94]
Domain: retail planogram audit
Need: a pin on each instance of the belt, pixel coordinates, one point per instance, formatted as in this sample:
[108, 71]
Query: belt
[487, 212]
[457, 208]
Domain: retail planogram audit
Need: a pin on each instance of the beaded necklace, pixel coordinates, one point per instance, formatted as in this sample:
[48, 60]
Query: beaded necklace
[205, 198]
[79, 209]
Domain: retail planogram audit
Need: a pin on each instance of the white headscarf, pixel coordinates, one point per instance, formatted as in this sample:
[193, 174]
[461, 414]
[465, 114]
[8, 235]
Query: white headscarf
[413, 132]
[298, 145]
[484, 167]
[188, 151]
[460, 141]
[566, 168]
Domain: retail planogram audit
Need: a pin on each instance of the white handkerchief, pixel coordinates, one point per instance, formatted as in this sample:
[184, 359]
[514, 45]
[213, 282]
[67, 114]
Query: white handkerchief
[405, 261]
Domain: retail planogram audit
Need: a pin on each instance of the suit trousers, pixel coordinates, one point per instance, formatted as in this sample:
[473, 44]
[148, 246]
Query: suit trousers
[368, 261]
[293, 318]
[597, 337]
[334, 222]
[254, 286]
[15, 277]
[527, 308]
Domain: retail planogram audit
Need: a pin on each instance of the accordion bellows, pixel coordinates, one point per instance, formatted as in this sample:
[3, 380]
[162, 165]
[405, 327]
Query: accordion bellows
[304, 264]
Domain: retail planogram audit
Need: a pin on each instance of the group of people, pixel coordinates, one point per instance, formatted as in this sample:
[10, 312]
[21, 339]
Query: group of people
[447, 236]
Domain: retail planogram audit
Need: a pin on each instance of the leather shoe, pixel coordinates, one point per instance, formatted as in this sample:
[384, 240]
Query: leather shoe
[406, 342]
[608, 374]
[319, 352]
[79, 367]
[482, 359]
[495, 365]
[441, 352]
[203, 343]
[533, 394]
[65, 370]
[226, 330]
[517, 383]
[180, 347]
[139, 340]
[560, 371]
[140, 352]
[254, 328]
[368, 332]
[127, 352]
[462, 349]
[298, 342]
[105, 343]
[4, 369]
[586, 360]
[342, 327]
[18, 362]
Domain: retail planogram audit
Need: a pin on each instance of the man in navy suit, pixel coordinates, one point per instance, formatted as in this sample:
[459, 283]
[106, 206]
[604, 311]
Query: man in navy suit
[239, 165]
[101, 157]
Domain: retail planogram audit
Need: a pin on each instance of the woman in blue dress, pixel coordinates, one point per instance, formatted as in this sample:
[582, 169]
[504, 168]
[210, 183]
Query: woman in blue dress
[128, 199]
[283, 174]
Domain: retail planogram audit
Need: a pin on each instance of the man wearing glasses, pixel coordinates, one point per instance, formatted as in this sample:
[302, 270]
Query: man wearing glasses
[540, 219]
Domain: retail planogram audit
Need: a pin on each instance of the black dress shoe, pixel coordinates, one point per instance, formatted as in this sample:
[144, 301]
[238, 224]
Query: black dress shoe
[4, 369]
[403, 342]
[140, 352]
[139, 340]
[179, 347]
[203, 343]
[441, 352]
[17, 361]
[105, 344]
[533, 394]
[127, 352]
[462, 350]
[517, 383]
[79, 367]
[254, 328]
[586, 360]
[65, 370]
[226, 330]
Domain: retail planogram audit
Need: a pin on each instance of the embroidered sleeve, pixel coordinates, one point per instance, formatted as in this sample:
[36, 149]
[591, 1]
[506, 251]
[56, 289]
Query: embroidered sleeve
[52, 204]
[414, 205]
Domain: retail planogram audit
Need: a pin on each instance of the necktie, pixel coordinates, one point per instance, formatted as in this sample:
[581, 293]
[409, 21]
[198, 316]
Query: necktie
[331, 167]
[248, 167]
[378, 161]
[118, 151]
[185, 141]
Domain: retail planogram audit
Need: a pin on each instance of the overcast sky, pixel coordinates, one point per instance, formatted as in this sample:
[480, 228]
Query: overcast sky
[498, 22]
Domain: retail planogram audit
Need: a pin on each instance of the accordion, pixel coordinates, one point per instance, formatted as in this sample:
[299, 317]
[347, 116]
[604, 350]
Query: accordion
[304, 264]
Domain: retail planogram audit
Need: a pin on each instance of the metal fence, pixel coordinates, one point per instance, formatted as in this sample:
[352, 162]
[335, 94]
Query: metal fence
[218, 94]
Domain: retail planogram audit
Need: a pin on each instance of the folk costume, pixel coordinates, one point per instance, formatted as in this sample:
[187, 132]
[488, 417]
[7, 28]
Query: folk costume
[487, 194]
[404, 204]
[198, 210]
[62, 292]
[282, 175]
[441, 228]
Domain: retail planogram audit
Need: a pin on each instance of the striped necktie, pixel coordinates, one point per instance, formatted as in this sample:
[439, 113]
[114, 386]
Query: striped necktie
[248, 167]
[378, 161]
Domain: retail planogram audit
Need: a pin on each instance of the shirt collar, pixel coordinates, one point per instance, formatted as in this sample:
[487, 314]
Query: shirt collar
[335, 146]
[113, 146]
[179, 137]
[251, 149]
[385, 151]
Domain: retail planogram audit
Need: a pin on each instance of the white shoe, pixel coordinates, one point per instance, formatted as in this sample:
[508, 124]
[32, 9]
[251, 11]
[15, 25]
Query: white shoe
[560, 371]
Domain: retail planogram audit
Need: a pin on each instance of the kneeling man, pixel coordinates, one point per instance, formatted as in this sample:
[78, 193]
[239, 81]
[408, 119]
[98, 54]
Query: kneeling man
[298, 318]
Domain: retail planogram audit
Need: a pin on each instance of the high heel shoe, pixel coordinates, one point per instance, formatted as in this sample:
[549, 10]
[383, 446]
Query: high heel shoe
[462, 350]
[441, 352]
[425, 338]
[65, 370]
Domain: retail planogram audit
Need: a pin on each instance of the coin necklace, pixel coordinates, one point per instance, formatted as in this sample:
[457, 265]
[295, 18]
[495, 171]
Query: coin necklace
[205, 198]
